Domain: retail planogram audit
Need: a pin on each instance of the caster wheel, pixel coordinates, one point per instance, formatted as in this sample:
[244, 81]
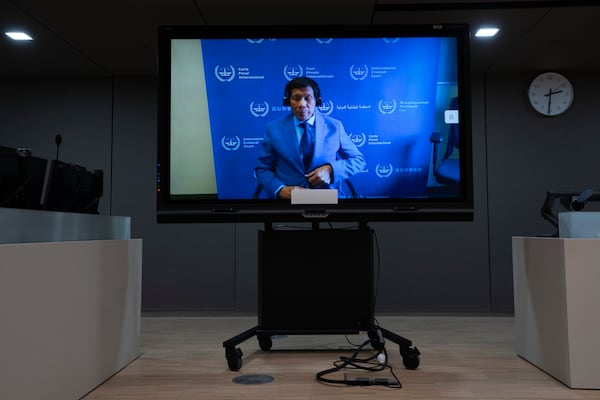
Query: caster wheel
[410, 357]
[265, 342]
[234, 359]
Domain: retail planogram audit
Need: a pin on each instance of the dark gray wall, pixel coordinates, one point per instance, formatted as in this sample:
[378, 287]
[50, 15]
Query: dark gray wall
[527, 155]
[424, 266]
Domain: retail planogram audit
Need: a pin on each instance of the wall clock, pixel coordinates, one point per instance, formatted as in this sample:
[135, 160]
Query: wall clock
[550, 93]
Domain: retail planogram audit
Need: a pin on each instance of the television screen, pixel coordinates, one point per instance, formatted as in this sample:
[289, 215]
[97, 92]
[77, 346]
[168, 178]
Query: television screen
[72, 188]
[21, 178]
[385, 111]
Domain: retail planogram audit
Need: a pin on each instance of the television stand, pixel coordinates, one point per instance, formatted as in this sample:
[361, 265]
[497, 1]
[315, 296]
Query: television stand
[316, 281]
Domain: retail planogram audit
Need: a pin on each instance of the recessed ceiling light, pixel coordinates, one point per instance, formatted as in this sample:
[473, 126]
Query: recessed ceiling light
[18, 36]
[486, 32]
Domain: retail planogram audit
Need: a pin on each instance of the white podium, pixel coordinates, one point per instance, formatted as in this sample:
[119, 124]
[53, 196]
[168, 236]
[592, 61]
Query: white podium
[557, 295]
[70, 302]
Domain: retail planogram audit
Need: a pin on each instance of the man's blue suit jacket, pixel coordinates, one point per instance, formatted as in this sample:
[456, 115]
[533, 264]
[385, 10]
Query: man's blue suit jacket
[280, 162]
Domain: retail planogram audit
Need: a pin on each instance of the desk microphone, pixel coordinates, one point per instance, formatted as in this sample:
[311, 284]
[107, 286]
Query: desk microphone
[58, 141]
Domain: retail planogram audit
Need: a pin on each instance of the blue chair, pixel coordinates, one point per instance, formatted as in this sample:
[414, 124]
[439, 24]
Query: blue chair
[446, 168]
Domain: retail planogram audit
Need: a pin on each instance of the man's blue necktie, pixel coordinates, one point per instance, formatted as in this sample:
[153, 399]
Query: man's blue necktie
[306, 146]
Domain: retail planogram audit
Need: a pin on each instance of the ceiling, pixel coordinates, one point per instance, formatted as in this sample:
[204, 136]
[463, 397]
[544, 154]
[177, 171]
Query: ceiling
[118, 37]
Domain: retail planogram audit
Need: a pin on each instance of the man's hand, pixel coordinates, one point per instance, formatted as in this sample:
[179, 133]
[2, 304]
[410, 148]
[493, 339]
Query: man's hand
[286, 192]
[320, 175]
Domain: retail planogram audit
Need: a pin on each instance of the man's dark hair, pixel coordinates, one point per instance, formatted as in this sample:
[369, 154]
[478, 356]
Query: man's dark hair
[299, 83]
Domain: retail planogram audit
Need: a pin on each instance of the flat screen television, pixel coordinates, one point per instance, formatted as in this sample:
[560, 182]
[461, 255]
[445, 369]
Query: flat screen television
[73, 188]
[21, 178]
[401, 94]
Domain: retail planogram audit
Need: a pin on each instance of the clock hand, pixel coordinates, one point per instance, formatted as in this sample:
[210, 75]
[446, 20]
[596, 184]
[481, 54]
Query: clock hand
[549, 95]
[550, 92]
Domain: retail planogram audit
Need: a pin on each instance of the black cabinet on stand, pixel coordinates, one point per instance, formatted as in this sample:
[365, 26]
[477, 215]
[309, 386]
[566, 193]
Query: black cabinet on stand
[315, 281]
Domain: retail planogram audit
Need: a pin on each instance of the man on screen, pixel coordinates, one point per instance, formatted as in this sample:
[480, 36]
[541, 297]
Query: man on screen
[305, 149]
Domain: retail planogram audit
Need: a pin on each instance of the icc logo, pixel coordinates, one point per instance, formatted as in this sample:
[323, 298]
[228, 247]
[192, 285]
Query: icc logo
[255, 41]
[359, 139]
[384, 171]
[230, 143]
[359, 73]
[259, 109]
[387, 106]
[324, 41]
[391, 40]
[326, 108]
[292, 72]
[225, 74]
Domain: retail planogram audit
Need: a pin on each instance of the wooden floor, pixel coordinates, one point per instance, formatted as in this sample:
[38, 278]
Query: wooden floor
[464, 357]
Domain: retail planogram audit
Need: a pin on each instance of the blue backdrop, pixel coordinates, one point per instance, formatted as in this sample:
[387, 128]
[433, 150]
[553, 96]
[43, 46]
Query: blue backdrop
[383, 90]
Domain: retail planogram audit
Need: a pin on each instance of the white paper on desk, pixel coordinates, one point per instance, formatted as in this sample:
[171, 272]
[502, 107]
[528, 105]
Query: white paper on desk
[314, 196]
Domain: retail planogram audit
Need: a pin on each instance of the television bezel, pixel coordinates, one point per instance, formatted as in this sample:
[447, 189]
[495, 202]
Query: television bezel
[201, 209]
